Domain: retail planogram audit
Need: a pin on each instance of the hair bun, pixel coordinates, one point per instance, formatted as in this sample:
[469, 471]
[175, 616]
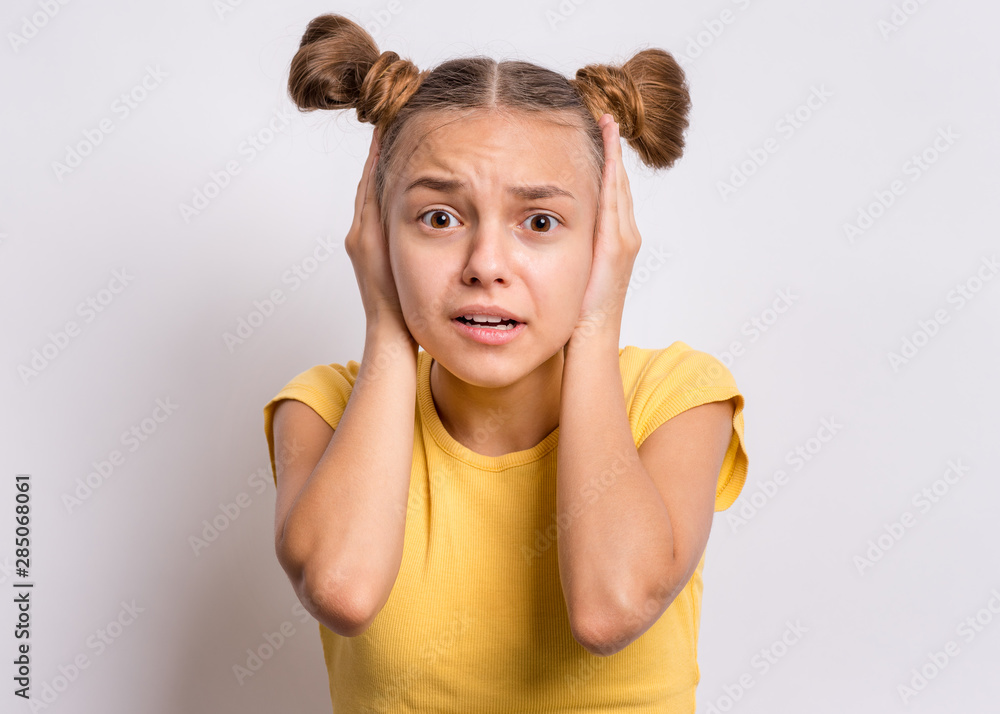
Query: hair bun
[339, 66]
[620, 96]
[387, 86]
[648, 97]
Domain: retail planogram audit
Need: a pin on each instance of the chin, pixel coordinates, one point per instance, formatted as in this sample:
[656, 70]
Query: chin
[480, 365]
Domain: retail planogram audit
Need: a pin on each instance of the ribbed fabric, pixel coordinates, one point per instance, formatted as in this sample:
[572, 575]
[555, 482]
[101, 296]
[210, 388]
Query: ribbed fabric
[476, 620]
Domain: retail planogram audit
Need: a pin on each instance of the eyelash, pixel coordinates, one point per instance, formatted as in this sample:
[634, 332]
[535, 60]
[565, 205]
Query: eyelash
[533, 215]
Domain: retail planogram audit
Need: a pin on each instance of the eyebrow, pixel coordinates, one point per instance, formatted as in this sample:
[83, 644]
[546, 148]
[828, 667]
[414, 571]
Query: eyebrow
[528, 193]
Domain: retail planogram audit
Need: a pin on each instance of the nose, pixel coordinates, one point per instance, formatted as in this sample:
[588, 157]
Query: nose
[489, 255]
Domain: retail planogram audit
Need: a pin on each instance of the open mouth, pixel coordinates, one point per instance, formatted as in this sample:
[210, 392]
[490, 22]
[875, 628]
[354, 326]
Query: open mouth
[489, 325]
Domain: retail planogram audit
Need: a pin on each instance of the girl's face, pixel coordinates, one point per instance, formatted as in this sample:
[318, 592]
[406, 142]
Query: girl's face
[493, 210]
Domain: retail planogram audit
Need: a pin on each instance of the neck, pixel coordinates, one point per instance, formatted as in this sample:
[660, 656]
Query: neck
[494, 421]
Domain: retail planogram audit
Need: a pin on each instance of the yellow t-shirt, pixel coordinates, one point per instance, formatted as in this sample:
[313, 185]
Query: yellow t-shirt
[476, 620]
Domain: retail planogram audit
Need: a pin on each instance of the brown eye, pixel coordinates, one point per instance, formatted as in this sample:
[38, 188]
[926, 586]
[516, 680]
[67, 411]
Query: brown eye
[439, 219]
[542, 222]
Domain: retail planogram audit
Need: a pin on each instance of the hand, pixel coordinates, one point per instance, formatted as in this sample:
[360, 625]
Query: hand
[366, 245]
[616, 241]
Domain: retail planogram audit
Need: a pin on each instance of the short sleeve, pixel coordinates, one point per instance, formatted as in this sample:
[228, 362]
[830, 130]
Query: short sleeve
[677, 378]
[326, 388]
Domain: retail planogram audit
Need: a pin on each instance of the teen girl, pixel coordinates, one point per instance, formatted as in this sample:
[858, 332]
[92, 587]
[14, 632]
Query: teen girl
[498, 509]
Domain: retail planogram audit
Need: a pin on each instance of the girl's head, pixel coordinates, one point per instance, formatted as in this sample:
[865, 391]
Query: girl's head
[487, 127]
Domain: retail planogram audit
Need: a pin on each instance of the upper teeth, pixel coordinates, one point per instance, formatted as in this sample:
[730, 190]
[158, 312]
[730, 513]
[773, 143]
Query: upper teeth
[483, 318]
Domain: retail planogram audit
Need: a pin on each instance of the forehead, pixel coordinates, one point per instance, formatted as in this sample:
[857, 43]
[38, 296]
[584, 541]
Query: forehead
[499, 147]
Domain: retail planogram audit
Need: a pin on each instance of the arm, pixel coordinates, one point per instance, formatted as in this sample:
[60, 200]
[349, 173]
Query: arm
[341, 505]
[639, 521]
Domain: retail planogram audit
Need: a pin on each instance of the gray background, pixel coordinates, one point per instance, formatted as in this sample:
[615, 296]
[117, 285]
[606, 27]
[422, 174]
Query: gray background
[216, 75]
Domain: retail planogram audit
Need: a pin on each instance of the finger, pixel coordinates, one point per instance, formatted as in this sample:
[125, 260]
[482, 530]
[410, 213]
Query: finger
[621, 177]
[626, 215]
[610, 184]
[613, 147]
[363, 184]
[370, 214]
[607, 220]
[624, 191]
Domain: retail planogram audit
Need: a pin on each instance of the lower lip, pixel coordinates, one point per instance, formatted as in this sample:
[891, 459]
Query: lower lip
[489, 335]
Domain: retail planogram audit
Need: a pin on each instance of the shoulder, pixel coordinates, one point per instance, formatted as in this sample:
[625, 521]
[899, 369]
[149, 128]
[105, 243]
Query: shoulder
[678, 365]
[661, 383]
[326, 379]
[332, 374]
[324, 387]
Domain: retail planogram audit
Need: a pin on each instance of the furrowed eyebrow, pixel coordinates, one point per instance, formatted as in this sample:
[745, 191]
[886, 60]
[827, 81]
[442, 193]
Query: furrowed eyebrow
[533, 193]
[528, 193]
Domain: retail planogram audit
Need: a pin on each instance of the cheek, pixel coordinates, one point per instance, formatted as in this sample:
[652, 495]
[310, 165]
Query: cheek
[560, 282]
[406, 272]
[419, 278]
[581, 257]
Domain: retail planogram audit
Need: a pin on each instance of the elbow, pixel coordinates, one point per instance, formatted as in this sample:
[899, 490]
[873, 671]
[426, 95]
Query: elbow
[599, 630]
[328, 595]
[599, 639]
[343, 610]
[613, 630]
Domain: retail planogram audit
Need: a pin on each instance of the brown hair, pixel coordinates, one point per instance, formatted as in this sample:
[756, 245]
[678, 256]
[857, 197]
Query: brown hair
[339, 66]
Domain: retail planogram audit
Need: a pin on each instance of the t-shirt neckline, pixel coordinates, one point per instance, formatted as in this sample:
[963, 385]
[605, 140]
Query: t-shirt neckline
[431, 419]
